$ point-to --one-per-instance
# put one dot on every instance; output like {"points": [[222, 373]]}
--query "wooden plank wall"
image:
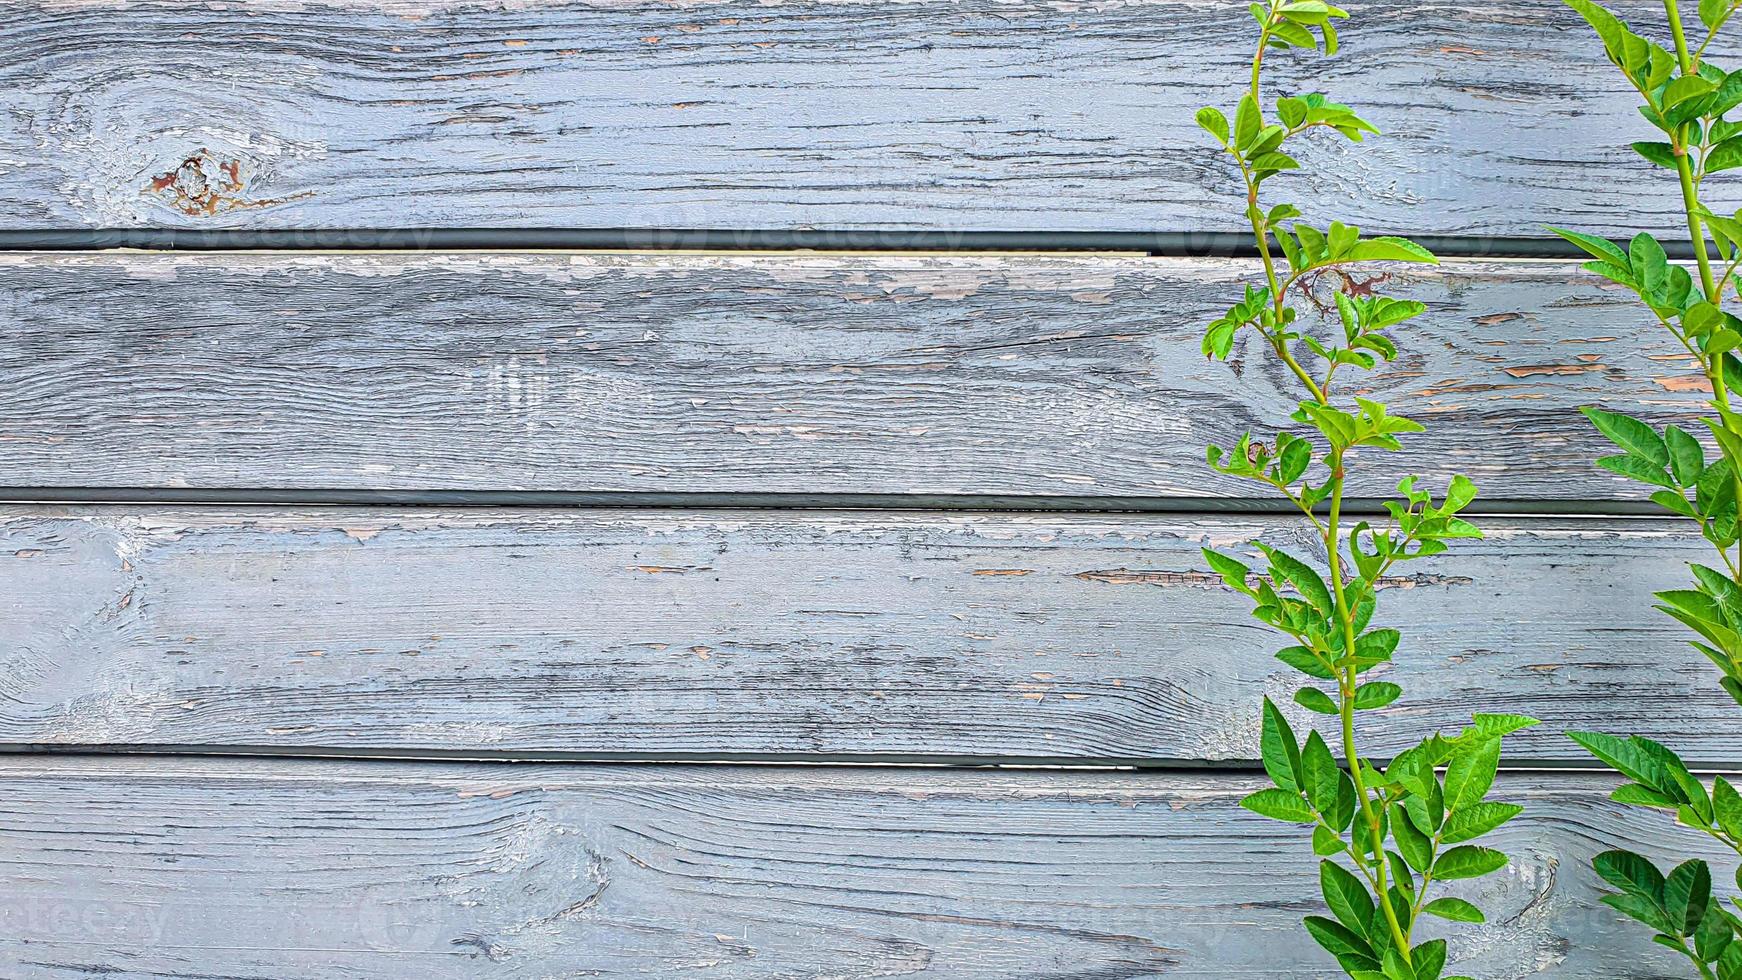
{"points": [[748, 615]]}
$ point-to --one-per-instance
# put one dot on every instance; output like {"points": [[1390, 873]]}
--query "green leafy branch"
{"points": [[1687, 99], [1386, 839]]}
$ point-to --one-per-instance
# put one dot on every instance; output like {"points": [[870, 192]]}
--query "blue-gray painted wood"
{"points": [[1077, 377], [944, 115], [230, 868], [781, 634]]}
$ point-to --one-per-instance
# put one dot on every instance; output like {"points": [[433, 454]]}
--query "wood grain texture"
{"points": [[720, 634], [906, 375], [937, 114], [285, 869]]}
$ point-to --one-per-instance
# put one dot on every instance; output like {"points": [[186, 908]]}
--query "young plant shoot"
{"points": [[1686, 98], [1388, 839]]}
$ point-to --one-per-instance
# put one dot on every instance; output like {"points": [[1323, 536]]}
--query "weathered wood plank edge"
{"points": [[1188, 244], [619, 499], [988, 874], [844, 760], [1010, 374], [790, 634]]}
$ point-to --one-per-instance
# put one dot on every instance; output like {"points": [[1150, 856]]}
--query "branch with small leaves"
{"points": [[1687, 99], [1386, 839]]}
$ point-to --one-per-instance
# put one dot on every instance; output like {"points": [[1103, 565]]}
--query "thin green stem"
{"points": [[1346, 684], [1261, 228], [1711, 33], [1329, 529], [1684, 168], [1709, 285]]}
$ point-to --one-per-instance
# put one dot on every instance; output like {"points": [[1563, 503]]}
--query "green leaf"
{"points": [[1468, 861], [1459, 494], [1307, 582], [1714, 933], [1686, 892], [1610, 29], [1635, 468], [1336, 938], [1279, 804], [1319, 773], [1488, 725], [1599, 248], [1292, 111], [1389, 249], [1620, 754], [1274, 162], [1376, 694], [1470, 774], [1650, 264], [1377, 646], [1630, 873], [1246, 122], [1233, 571], [1347, 896], [1730, 962], [1455, 909], [1417, 849], [1725, 156], [1727, 805], [1313, 699], [1429, 959], [1305, 661], [1633, 794], [1686, 458], [1632, 435], [1477, 819], [1214, 123], [1280, 751], [1641, 908], [1661, 154], [1685, 88], [1326, 842], [1290, 35], [1672, 500]]}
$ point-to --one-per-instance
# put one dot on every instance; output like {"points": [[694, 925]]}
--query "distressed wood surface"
{"points": [[938, 114], [720, 634], [160, 868], [851, 374]]}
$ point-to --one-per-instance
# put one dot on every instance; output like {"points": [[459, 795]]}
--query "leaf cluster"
{"points": [[1292, 597], [1688, 100], [1385, 837], [1688, 106], [1426, 824], [1679, 907]]}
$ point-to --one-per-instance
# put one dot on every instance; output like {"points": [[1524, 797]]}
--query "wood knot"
{"points": [[205, 184]]}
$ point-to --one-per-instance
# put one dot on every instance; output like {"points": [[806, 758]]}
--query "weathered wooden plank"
{"points": [[156, 868], [720, 634], [938, 114], [851, 374]]}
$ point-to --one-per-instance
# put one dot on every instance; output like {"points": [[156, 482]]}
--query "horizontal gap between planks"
{"points": [[1174, 244], [629, 499], [1232, 767]]}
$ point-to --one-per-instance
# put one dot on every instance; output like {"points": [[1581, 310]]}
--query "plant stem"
{"points": [[1346, 684], [1684, 168], [1261, 228], [1348, 679], [1713, 290]]}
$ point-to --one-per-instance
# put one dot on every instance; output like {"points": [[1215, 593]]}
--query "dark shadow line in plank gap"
{"points": [[1156, 243], [630, 499], [1231, 767]]}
